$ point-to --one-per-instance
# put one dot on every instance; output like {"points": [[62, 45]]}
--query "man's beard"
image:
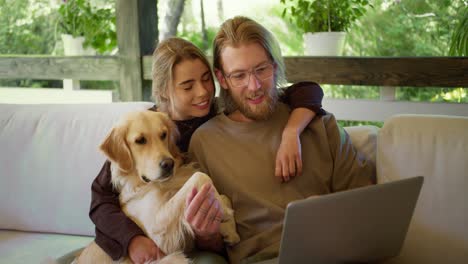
{"points": [[258, 112]]}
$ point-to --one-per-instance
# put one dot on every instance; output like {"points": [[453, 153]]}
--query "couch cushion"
{"points": [[435, 147], [364, 139], [24, 247], [48, 158]]}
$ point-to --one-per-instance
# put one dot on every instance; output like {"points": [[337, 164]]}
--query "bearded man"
{"points": [[237, 148]]}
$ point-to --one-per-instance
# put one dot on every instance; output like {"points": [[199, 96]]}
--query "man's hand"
{"points": [[204, 213], [142, 249], [289, 156]]}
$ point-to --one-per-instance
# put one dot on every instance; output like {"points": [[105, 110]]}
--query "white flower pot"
{"points": [[324, 43], [74, 46]]}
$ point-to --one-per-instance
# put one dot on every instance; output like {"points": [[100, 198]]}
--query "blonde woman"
{"points": [[183, 86]]}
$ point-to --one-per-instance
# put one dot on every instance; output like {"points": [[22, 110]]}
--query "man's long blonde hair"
{"points": [[166, 56], [243, 30]]}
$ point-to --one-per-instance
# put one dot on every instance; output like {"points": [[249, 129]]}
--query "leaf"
{"points": [[459, 39]]}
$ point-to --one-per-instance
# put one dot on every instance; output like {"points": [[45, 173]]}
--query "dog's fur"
{"points": [[141, 148]]}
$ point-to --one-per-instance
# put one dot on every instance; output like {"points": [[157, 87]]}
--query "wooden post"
{"points": [[387, 93], [136, 35]]}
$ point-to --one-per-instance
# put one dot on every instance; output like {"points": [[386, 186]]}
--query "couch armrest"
{"points": [[435, 147]]}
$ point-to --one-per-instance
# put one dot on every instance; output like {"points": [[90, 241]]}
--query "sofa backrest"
{"points": [[435, 147], [48, 159], [364, 139]]}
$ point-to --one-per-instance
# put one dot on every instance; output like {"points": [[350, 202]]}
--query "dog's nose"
{"points": [[167, 164]]}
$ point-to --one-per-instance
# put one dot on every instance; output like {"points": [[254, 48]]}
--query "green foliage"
{"points": [[96, 25], [197, 38], [348, 123], [190, 28], [324, 15], [459, 41], [285, 31], [351, 91], [431, 94], [404, 28], [25, 27]]}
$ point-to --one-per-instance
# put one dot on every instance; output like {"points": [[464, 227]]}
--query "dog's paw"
{"points": [[201, 178], [227, 206], [231, 237], [228, 225]]}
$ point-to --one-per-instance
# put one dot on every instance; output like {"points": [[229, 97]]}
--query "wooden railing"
{"points": [[386, 72], [136, 23]]}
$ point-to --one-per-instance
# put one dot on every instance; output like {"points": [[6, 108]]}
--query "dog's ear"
{"points": [[116, 149], [173, 136]]}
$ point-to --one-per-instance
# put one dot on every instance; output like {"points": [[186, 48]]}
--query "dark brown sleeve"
{"points": [[114, 229], [304, 94]]}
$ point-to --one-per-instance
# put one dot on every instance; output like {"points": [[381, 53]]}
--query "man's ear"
{"points": [[164, 95], [221, 79]]}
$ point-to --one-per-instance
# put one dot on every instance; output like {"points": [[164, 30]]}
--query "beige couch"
{"points": [[49, 157]]}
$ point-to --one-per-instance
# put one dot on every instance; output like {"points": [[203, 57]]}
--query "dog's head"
{"points": [[143, 144]]}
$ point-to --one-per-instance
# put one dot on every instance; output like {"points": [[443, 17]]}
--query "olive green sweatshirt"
{"points": [[240, 158]]}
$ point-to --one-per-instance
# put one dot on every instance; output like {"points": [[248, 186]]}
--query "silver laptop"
{"points": [[360, 225]]}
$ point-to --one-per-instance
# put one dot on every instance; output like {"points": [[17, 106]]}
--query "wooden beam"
{"points": [[58, 68], [383, 71], [380, 71], [135, 38], [428, 71]]}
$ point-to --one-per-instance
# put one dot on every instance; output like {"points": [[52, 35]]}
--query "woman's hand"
{"points": [[142, 250], [289, 156], [204, 212]]}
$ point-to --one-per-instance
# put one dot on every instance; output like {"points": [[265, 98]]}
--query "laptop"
{"points": [[355, 226]]}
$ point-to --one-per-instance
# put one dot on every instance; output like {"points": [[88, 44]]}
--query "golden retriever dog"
{"points": [[148, 171]]}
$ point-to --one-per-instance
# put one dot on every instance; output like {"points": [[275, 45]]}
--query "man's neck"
{"points": [[239, 117]]}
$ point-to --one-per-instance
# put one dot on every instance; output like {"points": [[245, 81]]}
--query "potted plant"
{"points": [[84, 26], [324, 22]]}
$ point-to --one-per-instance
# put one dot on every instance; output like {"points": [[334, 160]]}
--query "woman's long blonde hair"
{"points": [[166, 56]]}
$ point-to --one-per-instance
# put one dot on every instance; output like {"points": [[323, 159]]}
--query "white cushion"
{"points": [[48, 158], [364, 139], [435, 147], [24, 247]]}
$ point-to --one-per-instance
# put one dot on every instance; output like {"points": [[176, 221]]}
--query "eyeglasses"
{"points": [[242, 78]]}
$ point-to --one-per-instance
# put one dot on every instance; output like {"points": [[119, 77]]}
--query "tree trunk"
{"points": [[175, 8], [220, 8], [204, 33]]}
